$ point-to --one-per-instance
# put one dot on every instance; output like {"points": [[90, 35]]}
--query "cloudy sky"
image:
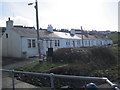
{"points": [[91, 14]]}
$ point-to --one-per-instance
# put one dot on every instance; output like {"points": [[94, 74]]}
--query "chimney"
{"points": [[72, 32], [50, 28], [9, 19], [9, 24]]}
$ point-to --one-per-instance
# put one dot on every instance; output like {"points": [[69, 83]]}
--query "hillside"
{"points": [[95, 61], [115, 37], [99, 61]]}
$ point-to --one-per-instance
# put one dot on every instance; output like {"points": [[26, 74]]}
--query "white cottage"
{"points": [[22, 42], [19, 42], [55, 40]]}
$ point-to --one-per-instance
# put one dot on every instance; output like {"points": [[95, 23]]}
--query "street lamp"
{"points": [[37, 24]]}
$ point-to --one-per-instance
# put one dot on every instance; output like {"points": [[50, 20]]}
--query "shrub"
{"points": [[98, 56]]}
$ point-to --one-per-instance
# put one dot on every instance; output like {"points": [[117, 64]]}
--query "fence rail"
{"points": [[53, 76]]}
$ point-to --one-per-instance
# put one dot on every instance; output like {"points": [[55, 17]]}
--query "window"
{"points": [[58, 42], [96, 42], [55, 42], [47, 43], [92, 42], [67, 42], [6, 35], [31, 43], [78, 42], [86, 42]]}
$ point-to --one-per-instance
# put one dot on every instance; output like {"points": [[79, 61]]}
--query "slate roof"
{"points": [[89, 37], [44, 34], [66, 35], [23, 32]]}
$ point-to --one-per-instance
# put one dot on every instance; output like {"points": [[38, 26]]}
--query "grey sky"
{"points": [[91, 14]]}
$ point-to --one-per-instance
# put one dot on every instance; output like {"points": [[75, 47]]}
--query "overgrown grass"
{"points": [[80, 58], [112, 73], [116, 47], [115, 37], [39, 67], [93, 56]]}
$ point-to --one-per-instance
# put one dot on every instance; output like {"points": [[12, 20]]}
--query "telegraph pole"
{"points": [[37, 24], [82, 37]]}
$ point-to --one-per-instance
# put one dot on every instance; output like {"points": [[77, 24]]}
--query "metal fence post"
{"points": [[114, 86], [52, 80], [13, 84], [52, 77]]}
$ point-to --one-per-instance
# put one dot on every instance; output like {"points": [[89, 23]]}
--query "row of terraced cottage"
{"points": [[22, 41]]}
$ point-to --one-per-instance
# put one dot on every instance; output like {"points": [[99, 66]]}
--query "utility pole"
{"points": [[82, 37], [37, 24]]}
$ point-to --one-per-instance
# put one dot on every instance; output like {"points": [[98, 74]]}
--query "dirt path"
{"points": [[11, 63]]}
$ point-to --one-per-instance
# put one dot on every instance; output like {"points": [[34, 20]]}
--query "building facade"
{"points": [[22, 42]]}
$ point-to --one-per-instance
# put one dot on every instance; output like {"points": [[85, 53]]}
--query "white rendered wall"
{"points": [[11, 45], [29, 51]]}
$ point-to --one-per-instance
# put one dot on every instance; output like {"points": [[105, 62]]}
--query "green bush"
{"points": [[98, 56]]}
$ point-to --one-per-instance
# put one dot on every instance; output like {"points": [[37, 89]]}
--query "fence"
{"points": [[54, 78]]}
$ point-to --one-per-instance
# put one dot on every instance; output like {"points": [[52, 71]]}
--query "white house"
{"points": [[16, 42], [22, 42]]}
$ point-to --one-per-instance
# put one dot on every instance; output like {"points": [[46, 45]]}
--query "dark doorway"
{"points": [[50, 52], [73, 43]]}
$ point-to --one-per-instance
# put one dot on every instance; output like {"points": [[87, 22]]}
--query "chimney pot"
{"points": [[9, 18]]}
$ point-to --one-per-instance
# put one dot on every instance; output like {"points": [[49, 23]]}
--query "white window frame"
{"points": [[31, 43]]}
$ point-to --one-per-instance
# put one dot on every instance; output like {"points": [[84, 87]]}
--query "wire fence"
{"points": [[58, 81]]}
